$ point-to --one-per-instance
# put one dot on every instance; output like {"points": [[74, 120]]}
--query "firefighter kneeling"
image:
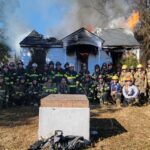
{"points": [[115, 91], [130, 92]]}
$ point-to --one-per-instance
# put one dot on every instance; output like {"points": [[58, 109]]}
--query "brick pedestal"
{"points": [[69, 113]]}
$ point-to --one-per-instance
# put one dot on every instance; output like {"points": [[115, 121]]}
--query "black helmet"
{"points": [[51, 63], [58, 63], [110, 64], [20, 62], [12, 64], [66, 64]]}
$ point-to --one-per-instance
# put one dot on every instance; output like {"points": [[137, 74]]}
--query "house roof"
{"points": [[118, 37], [82, 37], [35, 39], [107, 37]]}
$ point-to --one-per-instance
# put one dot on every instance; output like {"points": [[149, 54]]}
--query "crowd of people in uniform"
{"points": [[121, 86]]}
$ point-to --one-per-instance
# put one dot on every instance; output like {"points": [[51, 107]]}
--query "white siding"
{"points": [[56, 54], [25, 56], [104, 58], [100, 58], [72, 59], [92, 61]]}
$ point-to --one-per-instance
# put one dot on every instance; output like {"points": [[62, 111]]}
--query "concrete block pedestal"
{"points": [[69, 113]]}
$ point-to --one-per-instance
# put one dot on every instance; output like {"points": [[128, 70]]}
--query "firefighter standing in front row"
{"points": [[19, 95], [102, 90], [59, 73], [34, 92], [71, 77], [49, 87], [115, 90], [140, 82], [87, 87], [63, 87], [124, 73]]}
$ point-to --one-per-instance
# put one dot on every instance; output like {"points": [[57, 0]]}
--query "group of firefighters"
{"points": [[121, 86]]}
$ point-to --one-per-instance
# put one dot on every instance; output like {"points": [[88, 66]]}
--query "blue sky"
{"points": [[43, 14]]}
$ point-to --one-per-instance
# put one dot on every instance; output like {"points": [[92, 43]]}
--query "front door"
{"points": [[82, 57]]}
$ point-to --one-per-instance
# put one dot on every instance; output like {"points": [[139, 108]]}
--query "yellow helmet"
{"points": [[115, 77], [124, 67], [139, 66], [128, 78]]}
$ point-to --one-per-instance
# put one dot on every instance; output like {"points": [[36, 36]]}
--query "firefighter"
{"points": [[115, 90], [124, 74], [32, 73], [102, 90], [51, 70], [45, 73], [8, 82], [63, 87], [20, 70], [95, 77], [71, 77], [83, 72], [97, 72], [141, 82], [148, 79], [49, 87], [66, 66], [5, 72], [118, 70], [87, 86], [59, 73], [132, 70], [19, 95], [104, 68], [12, 72], [4, 93], [110, 73], [130, 92], [34, 92]]}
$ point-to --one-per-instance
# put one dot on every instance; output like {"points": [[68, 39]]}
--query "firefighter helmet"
{"points": [[148, 62], [139, 66], [115, 77], [128, 78], [124, 67], [34, 65], [58, 63]]}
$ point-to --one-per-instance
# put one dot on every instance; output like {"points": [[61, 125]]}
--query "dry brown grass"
{"points": [[120, 129]]}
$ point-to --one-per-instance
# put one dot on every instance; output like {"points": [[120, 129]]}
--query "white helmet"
{"points": [[34, 65], [71, 65]]}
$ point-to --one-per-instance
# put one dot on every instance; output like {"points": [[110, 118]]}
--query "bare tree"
{"points": [[142, 34]]}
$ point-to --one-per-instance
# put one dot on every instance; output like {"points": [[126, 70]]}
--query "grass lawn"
{"points": [[120, 129]]}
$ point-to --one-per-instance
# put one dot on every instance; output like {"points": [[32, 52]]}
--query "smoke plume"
{"points": [[76, 14]]}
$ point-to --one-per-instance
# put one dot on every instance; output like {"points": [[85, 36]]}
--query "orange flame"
{"points": [[133, 19]]}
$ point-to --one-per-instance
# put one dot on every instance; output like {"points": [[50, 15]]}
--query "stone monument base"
{"points": [[69, 113]]}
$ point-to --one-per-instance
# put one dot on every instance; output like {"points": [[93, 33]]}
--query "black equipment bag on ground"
{"points": [[60, 142]]}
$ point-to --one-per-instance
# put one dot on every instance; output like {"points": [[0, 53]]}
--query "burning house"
{"points": [[82, 46]]}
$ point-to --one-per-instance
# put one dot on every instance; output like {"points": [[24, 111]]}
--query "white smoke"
{"points": [[77, 14], [13, 26], [98, 13]]}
